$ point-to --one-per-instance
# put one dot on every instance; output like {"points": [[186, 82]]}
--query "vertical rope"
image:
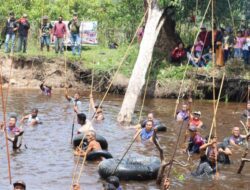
{"points": [[184, 74]]}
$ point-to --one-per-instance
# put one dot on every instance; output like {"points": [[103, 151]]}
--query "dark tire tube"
{"points": [[103, 142], [94, 155], [161, 127], [133, 168]]}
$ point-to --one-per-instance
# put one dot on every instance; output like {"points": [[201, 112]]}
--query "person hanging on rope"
{"points": [[75, 101], [46, 89], [195, 120], [13, 132], [98, 115], [86, 125], [146, 133], [184, 113], [32, 118], [195, 140], [93, 145]]}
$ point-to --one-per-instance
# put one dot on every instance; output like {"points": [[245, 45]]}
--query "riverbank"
{"points": [[164, 82]]}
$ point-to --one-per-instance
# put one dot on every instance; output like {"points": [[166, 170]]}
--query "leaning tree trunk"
{"points": [[153, 25]]}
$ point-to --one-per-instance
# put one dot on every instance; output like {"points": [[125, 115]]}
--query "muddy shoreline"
{"points": [[29, 73]]}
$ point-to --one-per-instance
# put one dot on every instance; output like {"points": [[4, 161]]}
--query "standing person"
{"points": [[11, 28], [246, 48], [45, 32], [59, 31], [74, 26], [23, 29], [239, 41], [205, 37], [227, 42], [219, 54]]}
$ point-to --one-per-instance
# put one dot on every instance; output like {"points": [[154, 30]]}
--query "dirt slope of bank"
{"points": [[30, 72]]}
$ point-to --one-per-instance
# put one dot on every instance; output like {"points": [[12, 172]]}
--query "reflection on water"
{"points": [[48, 162]]}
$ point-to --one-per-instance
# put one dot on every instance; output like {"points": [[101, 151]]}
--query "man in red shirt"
{"points": [[59, 31]]}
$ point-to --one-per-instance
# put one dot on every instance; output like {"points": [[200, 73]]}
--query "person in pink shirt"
{"points": [[239, 42], [59, 31], [198, 47]]}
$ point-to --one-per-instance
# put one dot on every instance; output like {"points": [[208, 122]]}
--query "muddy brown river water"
{"points": [[48, 161]]}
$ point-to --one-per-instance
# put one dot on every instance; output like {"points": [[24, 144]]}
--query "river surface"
{"points": [[48, 162]]}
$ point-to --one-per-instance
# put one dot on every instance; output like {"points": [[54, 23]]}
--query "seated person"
{"points": [[85, 124], [32, 118], [195, 140], [236, 139], [196, 61], [98, 115], [47, 90], [183, 114], [178, 54], [195, 119], [146, 133], [93, 145]]}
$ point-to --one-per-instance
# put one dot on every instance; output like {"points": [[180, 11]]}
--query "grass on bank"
{"points": [[104, 60]]}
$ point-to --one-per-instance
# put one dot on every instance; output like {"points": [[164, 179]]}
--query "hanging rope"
{"points": [[91, 87], [4, 105], [185, 71], [118, 69], [138, 132]]}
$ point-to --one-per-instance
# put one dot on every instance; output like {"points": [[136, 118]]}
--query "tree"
{"points": [[160, 12]]}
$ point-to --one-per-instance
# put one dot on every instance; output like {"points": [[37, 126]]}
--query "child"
{"points": [[198, 47], [46, 89]]}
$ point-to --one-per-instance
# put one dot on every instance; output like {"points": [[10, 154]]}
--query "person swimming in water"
{"points": [[32, 118], [98, 115], [195, 140], [236, 139], [46, 89], [183, 114]]}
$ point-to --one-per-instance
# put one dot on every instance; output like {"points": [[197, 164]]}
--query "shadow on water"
{"points": [[48, 162]]}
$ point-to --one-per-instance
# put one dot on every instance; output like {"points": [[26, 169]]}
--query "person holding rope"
{"points": [[150, 117], [97, 109], [184, 113], [146, 133], [13, 132], [46, 89], [195, 120], [195, 140], [75, 101], [93, 145]]}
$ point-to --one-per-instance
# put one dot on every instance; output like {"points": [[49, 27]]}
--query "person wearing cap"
{"points": [[74, 26], [59, 31], [195, 119], [19, 185], [23, 29], [10, 31], [195, 140], [45, 33]]}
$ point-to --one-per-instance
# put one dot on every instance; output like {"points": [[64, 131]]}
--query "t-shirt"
{"points": [[86, 127], [246, 46], [30, 119], [23, 27], [45, 28], [146, 135], [10, 25], [77, 103], [74, 26], [59, 30], [239, 42], [182, 115]]}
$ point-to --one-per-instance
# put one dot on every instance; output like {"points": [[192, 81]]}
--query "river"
{"points": [[48, 162]]}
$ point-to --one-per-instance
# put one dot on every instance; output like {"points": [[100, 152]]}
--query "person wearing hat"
{"points": [[23, 29], [195, 119], [45, 32], [195, 140], [19, 185], [10, 32], [74, 26]]}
